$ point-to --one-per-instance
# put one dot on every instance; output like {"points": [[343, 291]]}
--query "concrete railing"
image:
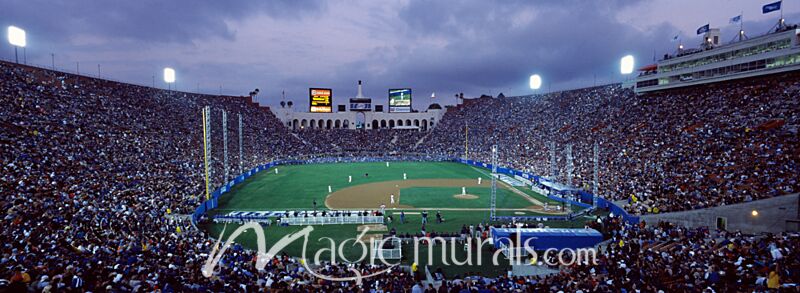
{"points": [[773, 215]]}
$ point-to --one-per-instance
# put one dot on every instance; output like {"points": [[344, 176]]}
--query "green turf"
{"points": [[422, 197], [295, 187]]}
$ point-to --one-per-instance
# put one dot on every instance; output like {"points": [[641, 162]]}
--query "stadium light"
{"points": [[169, 75], [626, 64], [16, 36], [535, 82]]}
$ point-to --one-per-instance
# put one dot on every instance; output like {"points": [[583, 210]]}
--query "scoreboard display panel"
{"points": [[400, 100], [320, 100]]}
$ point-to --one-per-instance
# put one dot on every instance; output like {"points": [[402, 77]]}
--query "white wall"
{"points": [[384, 120]]}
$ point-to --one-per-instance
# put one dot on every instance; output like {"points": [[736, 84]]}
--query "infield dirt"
{"points": [[373, 195]]}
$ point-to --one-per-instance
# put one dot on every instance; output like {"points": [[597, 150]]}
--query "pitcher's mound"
{"points": [[465, 196]]}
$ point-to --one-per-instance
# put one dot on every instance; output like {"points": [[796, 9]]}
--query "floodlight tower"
{"points": [[225, 146], [241, 161], [595, 158], [169, 77], [16, 37], [553, 161], [493, 203], [570, 165], [626, 65], [535, 82]]}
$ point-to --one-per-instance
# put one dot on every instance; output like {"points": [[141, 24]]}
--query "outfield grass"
{"points": [[297, 186]]}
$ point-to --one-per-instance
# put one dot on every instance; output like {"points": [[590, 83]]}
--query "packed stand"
{"points": [[677, 150], [662, 258], [97, 175], [379, 141]]}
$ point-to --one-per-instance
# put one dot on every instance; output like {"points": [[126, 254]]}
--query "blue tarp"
{"points": [[543, 239]]}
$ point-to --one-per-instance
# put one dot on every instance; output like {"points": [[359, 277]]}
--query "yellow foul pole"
{"points": [[205, 154], [466, 141]]}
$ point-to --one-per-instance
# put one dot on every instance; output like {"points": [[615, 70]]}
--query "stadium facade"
{"points": [[359, 115], [714, 62]]}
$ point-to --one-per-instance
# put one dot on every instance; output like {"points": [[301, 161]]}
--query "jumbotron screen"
{"points": [[320, 100], [400, 100]]}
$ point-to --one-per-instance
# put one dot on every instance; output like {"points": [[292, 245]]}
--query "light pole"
{"points": [[626, 65], [16, 36], [535, 82], [169, 77]]}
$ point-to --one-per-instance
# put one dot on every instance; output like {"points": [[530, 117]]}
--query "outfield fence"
{"points": [[332, 220]]}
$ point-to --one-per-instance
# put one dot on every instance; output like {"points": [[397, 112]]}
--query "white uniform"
{"points": [[391, 198]]}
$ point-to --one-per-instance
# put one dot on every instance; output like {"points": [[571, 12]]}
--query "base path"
{"points": [[372, 195]]}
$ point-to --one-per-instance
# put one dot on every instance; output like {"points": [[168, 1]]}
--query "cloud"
{"points": [[475, 47], [150, 21], [491, 47]]}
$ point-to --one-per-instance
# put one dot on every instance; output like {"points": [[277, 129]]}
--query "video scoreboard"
{"points": [[320, 100], [400, 100]]}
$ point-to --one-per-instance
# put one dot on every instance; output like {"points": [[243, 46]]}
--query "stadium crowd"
{"points": [[377, 141], [663, 258], [671, 151], [97, 177]]}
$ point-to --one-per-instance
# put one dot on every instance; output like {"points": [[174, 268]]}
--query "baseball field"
{"points": [[453, 189]]}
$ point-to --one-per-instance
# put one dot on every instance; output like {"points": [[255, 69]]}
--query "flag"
{"points": [[771, 7], [703, 29], [676, 37], [736, 19]]}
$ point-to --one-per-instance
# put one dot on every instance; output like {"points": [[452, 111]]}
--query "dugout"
{"points": [[543, 239]]}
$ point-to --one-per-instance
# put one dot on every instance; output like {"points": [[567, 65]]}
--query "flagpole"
{"points": [[741, 25], [781, 21]]}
